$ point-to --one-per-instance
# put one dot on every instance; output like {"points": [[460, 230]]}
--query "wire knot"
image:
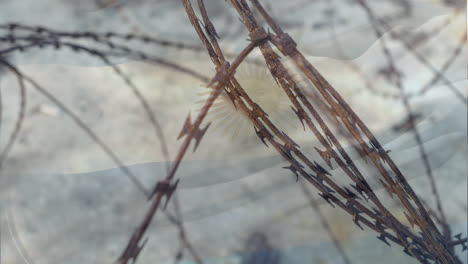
{"points": [[258, 35], [223, 74]]}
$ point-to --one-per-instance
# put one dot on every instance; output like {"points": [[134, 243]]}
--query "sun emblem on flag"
{"points": [[258, 83]]}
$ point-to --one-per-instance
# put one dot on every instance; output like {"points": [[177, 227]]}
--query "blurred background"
{"points": [[65, 201]]}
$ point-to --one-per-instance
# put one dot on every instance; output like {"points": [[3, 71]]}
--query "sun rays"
{"points": [[229, 120]]}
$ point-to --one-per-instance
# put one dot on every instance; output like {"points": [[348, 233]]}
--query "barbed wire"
{"points": [[359, 200]]}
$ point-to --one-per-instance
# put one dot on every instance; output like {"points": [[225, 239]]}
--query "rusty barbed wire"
{"points": [[411, 119], [358, 199], [419, 247]]}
